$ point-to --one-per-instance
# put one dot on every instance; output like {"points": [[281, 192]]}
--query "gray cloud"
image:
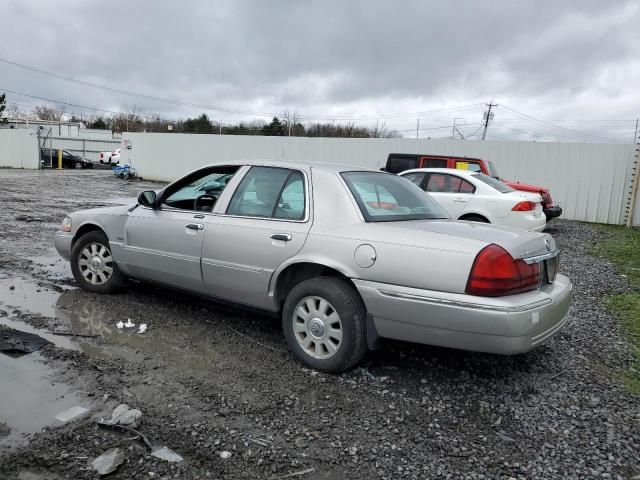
{"points": [[557, 60]]}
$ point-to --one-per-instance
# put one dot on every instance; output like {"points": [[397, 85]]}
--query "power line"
{"points": [[574, 132], [220, 109]]}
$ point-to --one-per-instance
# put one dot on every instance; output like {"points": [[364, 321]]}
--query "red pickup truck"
{"points": [[399, 162]]}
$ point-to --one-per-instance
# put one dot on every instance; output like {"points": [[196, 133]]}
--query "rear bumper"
{"points": [[552, 212], [62, 241], [503, 325]]}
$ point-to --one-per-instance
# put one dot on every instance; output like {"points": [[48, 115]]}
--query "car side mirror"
{"points": [[147, 199]]}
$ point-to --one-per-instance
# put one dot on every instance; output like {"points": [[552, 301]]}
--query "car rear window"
{"points": [[494, 183], [386, 198]]}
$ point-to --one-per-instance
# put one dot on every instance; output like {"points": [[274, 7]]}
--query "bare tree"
{"points": [[46, 112], [14, 111]]}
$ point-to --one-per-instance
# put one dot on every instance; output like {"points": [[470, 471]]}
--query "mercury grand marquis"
{"points": [[345, 255]]}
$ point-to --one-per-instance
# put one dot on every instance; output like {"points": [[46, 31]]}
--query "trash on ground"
{"points": [[123, 415], [225, 454], [142, 328], [165, 453], [129, 324], [108, 462], [71, 414], [124, 171], [120, 325], [15, 341]]}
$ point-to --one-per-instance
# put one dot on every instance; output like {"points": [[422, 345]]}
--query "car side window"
{"points": [[444, 183], [200, 190], [291, 202], [434, 163], [416, 177], [271, 193]]}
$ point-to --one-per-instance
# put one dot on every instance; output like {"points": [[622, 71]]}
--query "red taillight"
{"points": [[525, 206], [495, 273]]}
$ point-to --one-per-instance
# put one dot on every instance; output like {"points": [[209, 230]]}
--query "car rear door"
{"points": [[450, 191], [265, 221]]}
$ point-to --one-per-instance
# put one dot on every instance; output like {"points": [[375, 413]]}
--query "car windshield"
{"points": [[382, 197], [493, 183], [493, 171]]}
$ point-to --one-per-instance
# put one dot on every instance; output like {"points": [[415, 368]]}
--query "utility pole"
{"points": [[635, 135], [220, 126], [488, 116], [454, 129], [417, 127]]}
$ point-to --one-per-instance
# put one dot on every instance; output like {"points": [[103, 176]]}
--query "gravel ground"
{"points": [[210, 378]]}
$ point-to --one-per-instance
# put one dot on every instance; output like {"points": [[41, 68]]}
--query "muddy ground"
{"points": [[211, 379]]}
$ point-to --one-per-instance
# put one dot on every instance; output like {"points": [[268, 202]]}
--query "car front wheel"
{"points": [[93, 266], [78, 164], [324, 324]]}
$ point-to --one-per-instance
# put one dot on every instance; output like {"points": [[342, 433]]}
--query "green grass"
{"points": [[622, 247]]}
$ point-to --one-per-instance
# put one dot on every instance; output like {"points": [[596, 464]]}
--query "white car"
{"points": [[115, 156], [474, 196], [110, 157]]}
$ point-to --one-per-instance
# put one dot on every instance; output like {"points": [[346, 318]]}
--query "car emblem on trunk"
{"points": [[547, 243]]}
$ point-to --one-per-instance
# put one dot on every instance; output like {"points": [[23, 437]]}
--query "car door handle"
{"points": [[459, 199], [285, 237], [195, 226]]}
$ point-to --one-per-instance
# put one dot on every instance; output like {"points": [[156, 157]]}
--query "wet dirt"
{"points": [[211, 379]]}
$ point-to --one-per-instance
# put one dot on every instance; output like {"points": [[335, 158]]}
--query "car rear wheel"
{"points": [[324, 324], [93, 266]]}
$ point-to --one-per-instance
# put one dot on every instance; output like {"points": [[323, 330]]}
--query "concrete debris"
{"points": [[120, 325], [225, 454], [129, 324], [142, 328], [71, 414], [165, 453], [108, 462]]}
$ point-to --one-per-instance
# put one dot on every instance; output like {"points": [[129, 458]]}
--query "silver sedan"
{"points": [[345, 255]]}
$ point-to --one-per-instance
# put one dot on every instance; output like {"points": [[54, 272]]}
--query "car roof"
{"points": [[451, 171], [331, 167]]}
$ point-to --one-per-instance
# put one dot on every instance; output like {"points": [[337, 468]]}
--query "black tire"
{"points": [[78, 165], [347, 304], [117, 281], [475, 218]]}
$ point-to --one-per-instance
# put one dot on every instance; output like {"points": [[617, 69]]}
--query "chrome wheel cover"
{"points": [[317, 327], [95, 263]]}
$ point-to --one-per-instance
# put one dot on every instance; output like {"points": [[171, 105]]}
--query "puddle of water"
{"points": [[87, 317], [58, 340], [55, 266], [30, 399], [26, 295]]}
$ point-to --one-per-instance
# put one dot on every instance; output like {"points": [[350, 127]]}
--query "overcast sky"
{"points": [[574, 64]]}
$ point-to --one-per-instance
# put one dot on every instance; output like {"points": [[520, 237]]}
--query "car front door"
{"points": [[265, 222], [164, 243], [450, 191]]}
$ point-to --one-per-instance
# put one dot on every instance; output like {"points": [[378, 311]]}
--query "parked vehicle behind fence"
{"points": [[344, 255], [474, 196], [400, 162], [110, 157], [49, 158]]}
